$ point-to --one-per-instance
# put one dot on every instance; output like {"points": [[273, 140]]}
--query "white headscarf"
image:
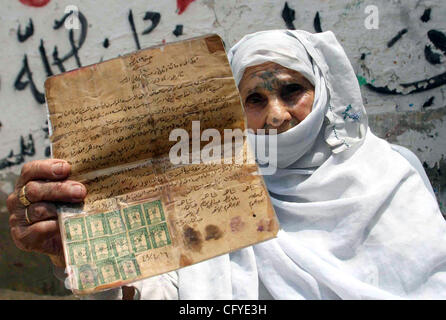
{"points": [[337, 93], [357, 221]]}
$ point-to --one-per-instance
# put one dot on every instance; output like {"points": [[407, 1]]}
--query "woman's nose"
{"points": [[277, 113]]}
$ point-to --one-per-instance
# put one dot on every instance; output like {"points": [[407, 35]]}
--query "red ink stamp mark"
{"points": [[265, 225], [236, 224], [182, 5], [35, 3]]}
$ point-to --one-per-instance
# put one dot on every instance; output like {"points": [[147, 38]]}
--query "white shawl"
{"points": [[357, 221]]}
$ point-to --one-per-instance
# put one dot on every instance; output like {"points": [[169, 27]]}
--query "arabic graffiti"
{"points": [[26, 149], [288, 15], [19, 84], [25, 79], [436, 37], [29, 31], [55, 63], [438, 40]]}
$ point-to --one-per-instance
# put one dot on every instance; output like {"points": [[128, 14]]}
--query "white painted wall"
{"points": [[421, 129]]}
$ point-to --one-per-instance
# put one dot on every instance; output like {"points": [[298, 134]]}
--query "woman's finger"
{"points": [[66, 191], [35, 212], [40, 211], [48, 169], [43, 236]]}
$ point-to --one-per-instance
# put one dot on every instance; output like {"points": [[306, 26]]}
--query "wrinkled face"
{"points": [[275, 97]]}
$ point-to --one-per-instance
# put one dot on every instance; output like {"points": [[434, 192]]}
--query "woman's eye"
{"points": [[254, 98], [290, 89]]}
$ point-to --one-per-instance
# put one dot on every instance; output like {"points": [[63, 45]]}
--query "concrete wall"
{"points": [[397, 49]]}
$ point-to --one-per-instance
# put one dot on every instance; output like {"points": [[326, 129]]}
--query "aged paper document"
{"points": [[144, 215]]}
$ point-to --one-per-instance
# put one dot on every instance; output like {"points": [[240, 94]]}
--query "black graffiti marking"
{"points": [[74, 48], [57, 60], [29, 31], [59, 23], [178, 30], [420, 86], [431, 57], [20, 85], [132, 25], [317, 23], [46, 130], [426, 15], [47, 151], [47, 133], [11, 160], [396, 38], [288, 15], [155, 17], [429, 102], [46, 63], [106, 43], [27, 148], [438, 39]]}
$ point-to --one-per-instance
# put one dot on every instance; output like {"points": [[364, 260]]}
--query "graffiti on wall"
{"points": [[55, 63], [437, 42]]}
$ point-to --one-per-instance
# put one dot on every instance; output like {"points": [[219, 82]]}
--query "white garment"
{"points": [[357, 221]]}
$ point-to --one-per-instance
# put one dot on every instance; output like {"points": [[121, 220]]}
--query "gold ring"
{"points": [[22, 197], [26, 216]]}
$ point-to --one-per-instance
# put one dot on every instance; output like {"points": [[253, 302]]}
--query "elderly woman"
{"points": [[358, 218]]}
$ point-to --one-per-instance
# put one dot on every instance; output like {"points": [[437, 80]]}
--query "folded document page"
{"points": [[145, 214]]}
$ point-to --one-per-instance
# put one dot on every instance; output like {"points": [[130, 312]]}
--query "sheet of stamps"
{"points": [[102, 247]]}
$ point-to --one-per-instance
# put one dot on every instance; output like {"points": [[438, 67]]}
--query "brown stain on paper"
{"points": [[214, 43], [185, 260], [192, 238], [213, 232]]}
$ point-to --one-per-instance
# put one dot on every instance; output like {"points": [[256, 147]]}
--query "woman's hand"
{"points": [[44, 182]]}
